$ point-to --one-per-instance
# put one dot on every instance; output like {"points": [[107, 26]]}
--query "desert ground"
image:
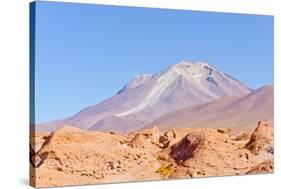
{"points": [[73, 156]]}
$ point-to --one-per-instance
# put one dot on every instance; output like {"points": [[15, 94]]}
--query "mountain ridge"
{"points": [[148, 97], [229, 111]]}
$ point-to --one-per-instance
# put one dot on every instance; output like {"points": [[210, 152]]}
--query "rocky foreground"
{"points": [[71, 156]]}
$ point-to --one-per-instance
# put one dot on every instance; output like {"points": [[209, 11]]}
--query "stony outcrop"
{"points": [[261, 139], [206, 152], [71, 156]]}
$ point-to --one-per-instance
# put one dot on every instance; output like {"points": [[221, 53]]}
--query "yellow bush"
{"points": [[165, 170]]}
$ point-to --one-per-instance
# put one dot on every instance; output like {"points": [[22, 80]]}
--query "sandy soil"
{"points": [[71, 156]]}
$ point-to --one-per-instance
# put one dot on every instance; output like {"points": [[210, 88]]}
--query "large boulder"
{"points": [[261, 139]]}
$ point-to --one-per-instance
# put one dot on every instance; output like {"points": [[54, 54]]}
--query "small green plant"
{"points": [[165, 170]]}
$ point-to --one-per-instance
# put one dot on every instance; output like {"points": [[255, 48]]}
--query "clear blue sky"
{"points": [[86, 53]]}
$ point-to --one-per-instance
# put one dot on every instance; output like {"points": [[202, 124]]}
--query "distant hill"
{"points": [[231, 112]]}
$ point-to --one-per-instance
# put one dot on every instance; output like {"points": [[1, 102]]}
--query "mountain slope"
{"points": [[231, 112], [147, 97], [113, 123]]}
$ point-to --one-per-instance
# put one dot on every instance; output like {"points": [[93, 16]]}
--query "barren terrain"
{"points": [[72, 156]]}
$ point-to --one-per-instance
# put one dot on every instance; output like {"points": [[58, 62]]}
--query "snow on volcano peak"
{"points": [[146, 97], [199, 82]]}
